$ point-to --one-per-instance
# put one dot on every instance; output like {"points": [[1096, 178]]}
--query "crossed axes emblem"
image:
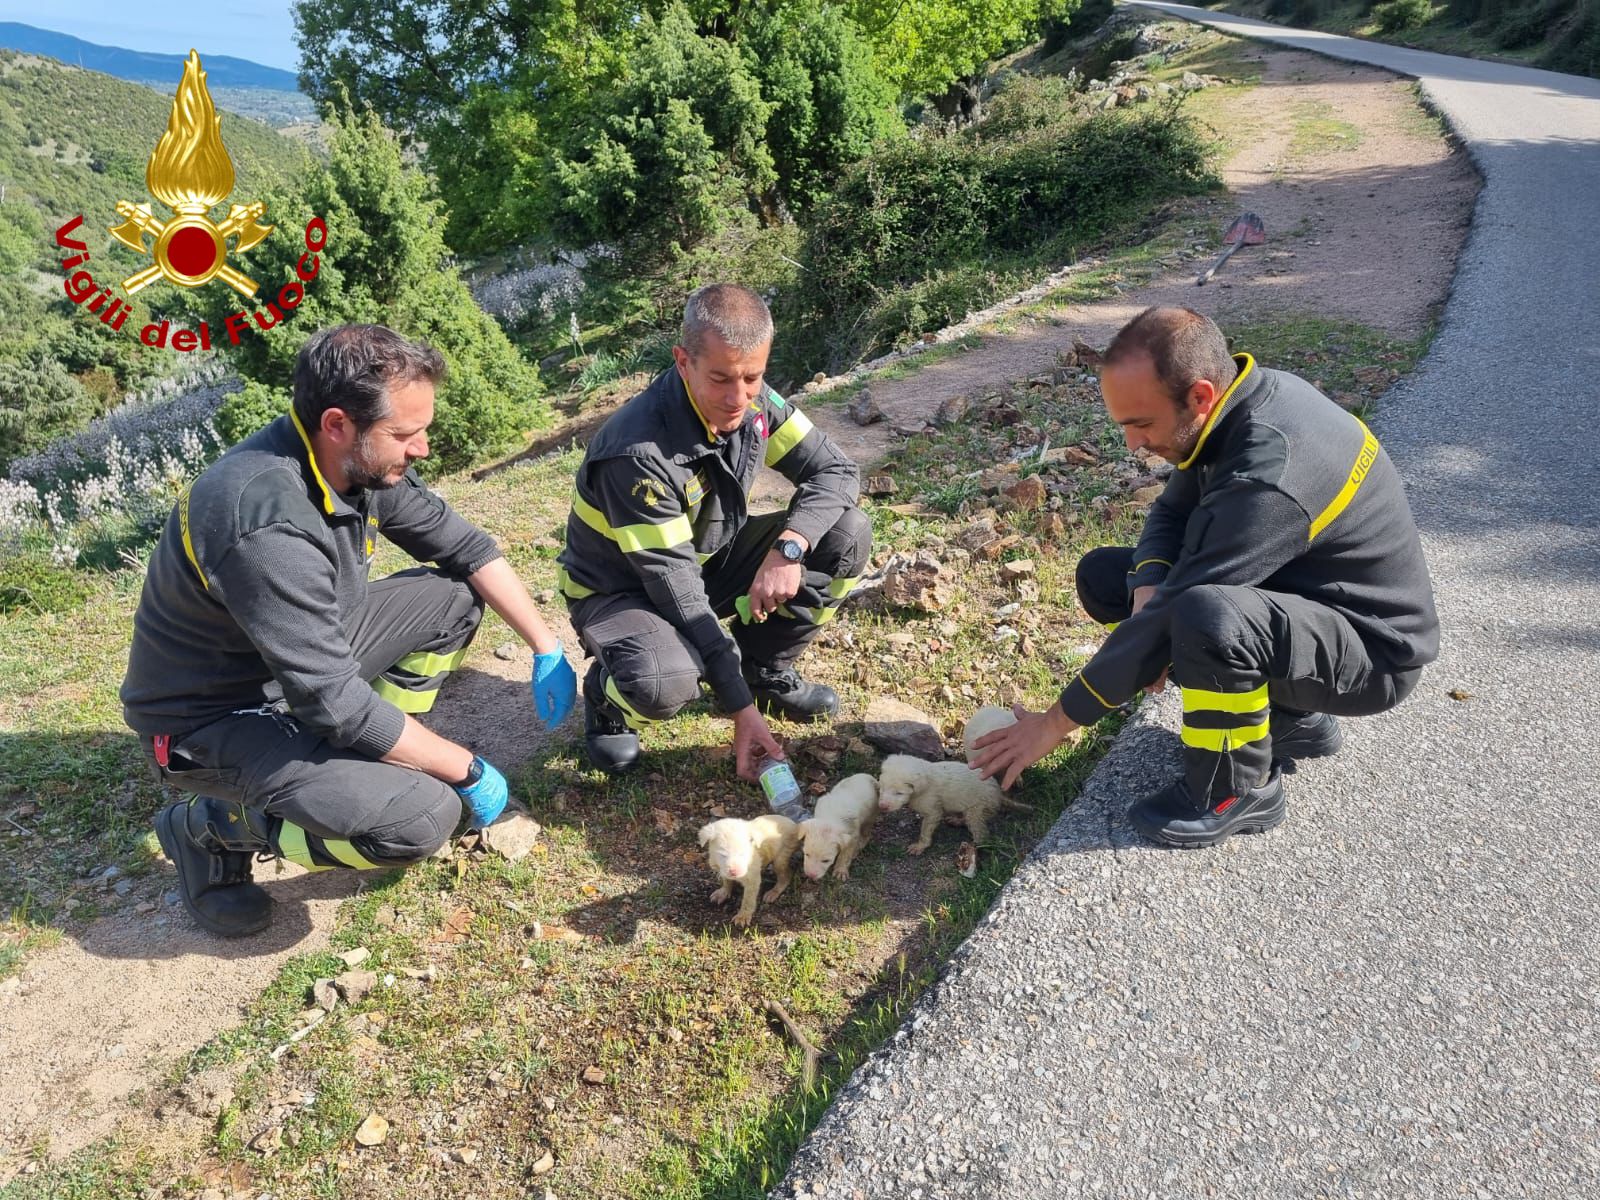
{"points": [[190, 249]]}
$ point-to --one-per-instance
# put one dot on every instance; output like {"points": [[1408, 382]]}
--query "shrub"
{"points": [[1397, 16], [247, 410], [32, 579]]}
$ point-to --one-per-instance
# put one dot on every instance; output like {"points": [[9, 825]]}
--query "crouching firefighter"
{"points": [[270, 680], [1279, 581], [661, 548]]}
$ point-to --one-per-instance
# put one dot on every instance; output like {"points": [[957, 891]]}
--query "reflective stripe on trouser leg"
{"points": [[1226, 746], [317, 853], [634, 719], [412, 684]]}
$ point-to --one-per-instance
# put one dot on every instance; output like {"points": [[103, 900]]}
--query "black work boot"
{"points": [[1304, 735], [1172, 818], [784, 693], [613, 747], [211, 844]]}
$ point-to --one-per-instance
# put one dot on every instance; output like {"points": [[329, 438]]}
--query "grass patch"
{"points": [[1353, 363], [1317, 131]]}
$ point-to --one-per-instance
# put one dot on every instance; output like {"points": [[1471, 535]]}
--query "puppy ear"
{"points": [[705, 832], [802, 826]]}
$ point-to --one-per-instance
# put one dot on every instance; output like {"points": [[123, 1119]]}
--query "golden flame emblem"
{"points": [[190, 172]]}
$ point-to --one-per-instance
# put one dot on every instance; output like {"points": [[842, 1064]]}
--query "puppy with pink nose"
{"points": [[737, 851]]}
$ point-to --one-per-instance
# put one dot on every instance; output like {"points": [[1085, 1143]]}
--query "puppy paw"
{"points": [[720, 896], [918, 848], [743, 919], [841, 873], [774, 893]]}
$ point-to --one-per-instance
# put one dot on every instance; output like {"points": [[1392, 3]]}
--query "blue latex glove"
{"points": [[486, 799], [555, 687]]}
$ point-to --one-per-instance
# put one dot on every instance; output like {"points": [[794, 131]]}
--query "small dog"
{"points": [[936, 790], [986, 720], [737, 850], [843, 823]]}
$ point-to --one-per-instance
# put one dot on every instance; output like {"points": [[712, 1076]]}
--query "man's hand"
{"points": [[485, 799], [554, 687], [751, 740], [776, 581], [1012, 750]]}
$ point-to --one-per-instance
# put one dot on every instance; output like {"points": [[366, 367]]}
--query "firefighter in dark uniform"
{"points": [[1279, 580], [661, 548], [277, 686]]}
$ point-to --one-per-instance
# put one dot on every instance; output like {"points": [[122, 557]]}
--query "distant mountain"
{"points": [[142, 67]]}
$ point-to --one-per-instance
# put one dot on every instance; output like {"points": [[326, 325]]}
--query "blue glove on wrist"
{"points": [[555, 687], [485, 799]]}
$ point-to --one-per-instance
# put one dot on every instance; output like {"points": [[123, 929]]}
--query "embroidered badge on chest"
{"points": [[761, 425], [694, 491]]}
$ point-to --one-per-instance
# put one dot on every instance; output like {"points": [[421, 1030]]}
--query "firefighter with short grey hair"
{"points": [[661, 547], [273, 682]]}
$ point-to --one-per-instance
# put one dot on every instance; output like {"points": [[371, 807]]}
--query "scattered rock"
{"points": [[268, 1142], [994, 549], [544, 595], [354, 986], [326, 994], [1027, 494], [897, 728], [1459, 694], [1147, 496], [1052, 527], [976, 535], [593, 1075], [467, 1155], [385, 917], [513, 836], [507, 652], [919, 583], [122, 887], [951, 411], [354, 958], [911, 431], [545, 1164], [374, 1130], [1085, 355], [1349, 401], [879, 485], [864, 409], [1075, 455], [1016, 569]]}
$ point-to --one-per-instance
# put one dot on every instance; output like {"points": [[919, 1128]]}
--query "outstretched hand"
{"points": [[1010, 751]]}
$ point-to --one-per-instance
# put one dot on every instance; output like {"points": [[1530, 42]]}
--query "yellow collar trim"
{"points": [[311, 455], [1246, 365], [711, 434]]}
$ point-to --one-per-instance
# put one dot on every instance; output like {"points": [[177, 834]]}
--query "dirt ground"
{"points": [[1366, 233]]}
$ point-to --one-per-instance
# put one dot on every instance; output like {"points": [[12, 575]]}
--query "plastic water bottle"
{"points": [[782, 789]]}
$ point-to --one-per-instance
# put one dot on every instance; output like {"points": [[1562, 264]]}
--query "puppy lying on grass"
{"points": [[737, 851], [843, 823], [936, 790]]}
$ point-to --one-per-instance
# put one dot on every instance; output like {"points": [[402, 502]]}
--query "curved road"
{"points": [[1397, 993]]}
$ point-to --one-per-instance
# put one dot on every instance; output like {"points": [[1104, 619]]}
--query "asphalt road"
{"points": [[1397, 993]]}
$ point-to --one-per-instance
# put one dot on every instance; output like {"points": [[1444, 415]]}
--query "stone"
{"points": [[879, 485], [373, 1131], [268, 1142], [918, 583], [994, 549], [593, 1075], [1085, 355], [864, 410], [506, 652], [513, 836], [354, 986], [897, 728], [1052, 527], [951, 411], [545, 1164], [1147, 496], [1016, 569], [354, 958], [998, 478], [326, 994], [467, 1155], [978, 534], [1027, 494]]}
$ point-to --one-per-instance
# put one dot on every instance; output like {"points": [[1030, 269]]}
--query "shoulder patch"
{"points": [[777, 400], [648, 490], [695, 490]]}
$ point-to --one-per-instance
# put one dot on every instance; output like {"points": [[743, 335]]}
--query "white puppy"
{"points": [[935, 790], [843, 823], [986, 720], [737, 850]]}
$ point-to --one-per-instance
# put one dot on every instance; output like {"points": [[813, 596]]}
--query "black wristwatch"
{"points": [[474, 773], [791, 550]]}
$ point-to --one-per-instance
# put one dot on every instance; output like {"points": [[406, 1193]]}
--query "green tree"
{"points": [[39, 402], [385, 261], [924, 46]]}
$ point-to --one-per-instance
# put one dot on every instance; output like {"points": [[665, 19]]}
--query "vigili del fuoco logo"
{"points": [[190, 173]]}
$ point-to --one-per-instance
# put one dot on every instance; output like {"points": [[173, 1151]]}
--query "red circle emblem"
{"points": [[191, 251]]}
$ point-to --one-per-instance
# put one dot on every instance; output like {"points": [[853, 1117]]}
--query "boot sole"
{"points": [[170, 840]]}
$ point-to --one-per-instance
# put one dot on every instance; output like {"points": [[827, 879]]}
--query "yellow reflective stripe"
{"points": [[311, 457], [633, 538], [633, 716], [823, 615], [1084, 679], [188, 543], [840, 588], [1200, 700], [1220, 741], [570, 588], [1138, 566], [404, 699], [1245, 368], [428, 663], [292, 846], [787, 436], [1363, 464], [348, 854]]}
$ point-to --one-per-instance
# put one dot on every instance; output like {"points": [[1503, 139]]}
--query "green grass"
{"points": [[1353, 363], [1317, 131]]}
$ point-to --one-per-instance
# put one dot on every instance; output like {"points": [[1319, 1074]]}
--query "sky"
{"points": [[260, 30]]}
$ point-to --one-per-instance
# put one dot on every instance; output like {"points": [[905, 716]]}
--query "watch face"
{"points": [[790, 550]]}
